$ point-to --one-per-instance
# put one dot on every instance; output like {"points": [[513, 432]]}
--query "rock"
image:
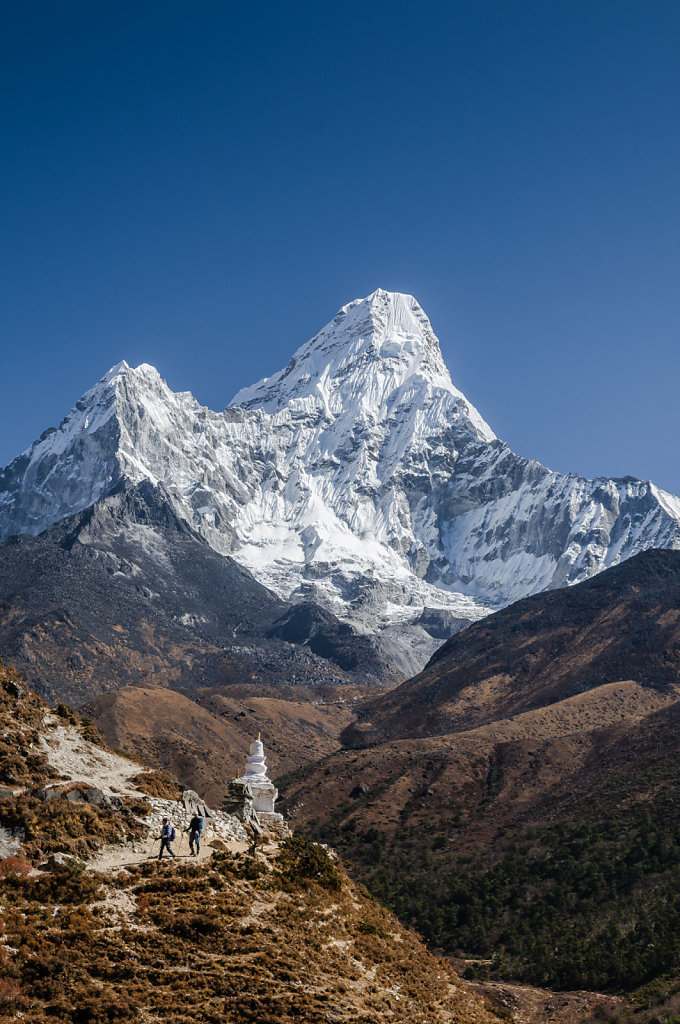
{"points": [[239, 801], [96, 797], [193, 804], [10, 841], [15, 688], [74, 796], [6, 794], [63, 862], [47, 794]]}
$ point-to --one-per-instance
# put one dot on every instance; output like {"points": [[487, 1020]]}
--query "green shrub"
{"points": [[302, 862]]}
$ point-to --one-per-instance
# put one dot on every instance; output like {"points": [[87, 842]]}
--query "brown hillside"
{"points": [[536, 758], [101, 933], [622, 624], [202, 736], [545, 844]]}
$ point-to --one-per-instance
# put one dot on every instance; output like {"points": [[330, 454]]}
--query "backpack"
{"points": [[171, 834]]}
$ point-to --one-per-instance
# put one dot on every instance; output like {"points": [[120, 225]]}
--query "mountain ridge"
{"points": [[620, 624], [126, 592], [358, 478]]}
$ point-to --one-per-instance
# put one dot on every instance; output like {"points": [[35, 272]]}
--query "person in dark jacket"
{"points": [[167, 837], [194, 830]]}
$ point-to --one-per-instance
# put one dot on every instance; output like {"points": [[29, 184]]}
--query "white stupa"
{"points": [[256, 765], [262, 790]]}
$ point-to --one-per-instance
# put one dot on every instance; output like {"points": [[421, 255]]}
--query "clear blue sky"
{"points": [[201, 186]]}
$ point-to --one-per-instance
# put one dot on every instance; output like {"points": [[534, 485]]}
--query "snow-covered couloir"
{"points": [[358, 476]]}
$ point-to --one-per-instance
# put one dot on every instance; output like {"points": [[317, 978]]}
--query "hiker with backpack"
{"points": [[167, 837], [195, 829]]}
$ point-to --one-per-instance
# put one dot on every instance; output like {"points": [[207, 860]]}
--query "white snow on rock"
{"points": [[358, 476]]}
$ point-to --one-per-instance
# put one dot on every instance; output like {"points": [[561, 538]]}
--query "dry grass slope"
{"points": [[283, 937]]}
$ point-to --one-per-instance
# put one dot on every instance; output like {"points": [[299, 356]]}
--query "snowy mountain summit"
{"points": [[377, 357], [358, 476]]}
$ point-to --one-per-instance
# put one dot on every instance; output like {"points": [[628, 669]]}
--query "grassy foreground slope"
{"points": [[285, 936]]}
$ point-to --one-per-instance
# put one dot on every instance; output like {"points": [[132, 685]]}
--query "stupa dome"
{"points": [[256, 767]]}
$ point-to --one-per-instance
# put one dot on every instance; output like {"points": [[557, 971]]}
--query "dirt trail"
{"points": [[109, 858], [78, 760]]}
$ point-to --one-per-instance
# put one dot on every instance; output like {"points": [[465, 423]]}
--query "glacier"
{"points": [[358, 477]]}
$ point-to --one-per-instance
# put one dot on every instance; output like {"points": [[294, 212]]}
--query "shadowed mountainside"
{"points": [[621, 624], [523, 808], [545, 844], [127, 593]]}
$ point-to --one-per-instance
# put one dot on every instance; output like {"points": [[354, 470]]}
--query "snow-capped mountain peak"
{"points": [[119, 370], [376, 356], [358, 477]]}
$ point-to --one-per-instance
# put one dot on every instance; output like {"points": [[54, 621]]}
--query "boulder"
{"points": [[47, 794], [14, 688], [96, 797], [74, 796], [10, 842], [63, 862], [194, 804], [239, 801]]}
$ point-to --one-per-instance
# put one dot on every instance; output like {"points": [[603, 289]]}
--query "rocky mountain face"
{"points": [[126, 592], [358, 478]]}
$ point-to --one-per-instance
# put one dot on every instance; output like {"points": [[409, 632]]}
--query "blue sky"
{"points": [[201, 186]]}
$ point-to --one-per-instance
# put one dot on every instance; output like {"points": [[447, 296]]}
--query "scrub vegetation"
{"points": [[276, 937]]}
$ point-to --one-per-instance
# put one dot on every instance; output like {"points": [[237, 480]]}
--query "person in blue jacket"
{"points": [[167, 837]]}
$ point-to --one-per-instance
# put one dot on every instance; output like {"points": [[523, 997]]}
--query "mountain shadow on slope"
{"points": [[552, 860], [306, 623], [126, 592], [622, 624]]}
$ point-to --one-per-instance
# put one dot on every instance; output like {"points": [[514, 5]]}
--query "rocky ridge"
{"points": [[126, 592]]}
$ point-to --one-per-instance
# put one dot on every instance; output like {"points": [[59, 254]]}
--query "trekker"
{"points": [[167, 837], [194, 830]]}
